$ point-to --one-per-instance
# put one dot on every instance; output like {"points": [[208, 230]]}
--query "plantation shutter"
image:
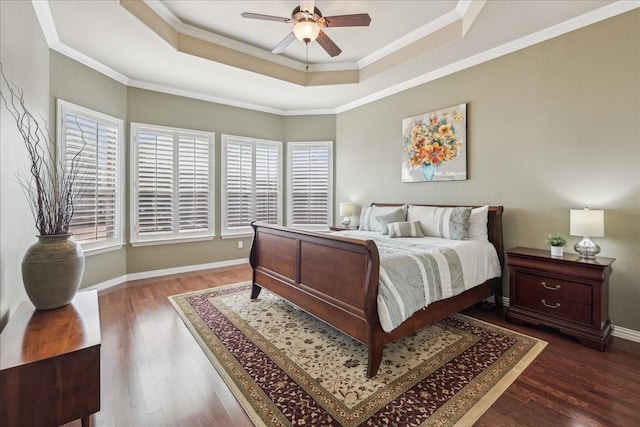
{"points": [[239, 184], [92, 146], [266, 176], [172, 185], [193, 187], [310, 184], [155, 183], [252, 183]]}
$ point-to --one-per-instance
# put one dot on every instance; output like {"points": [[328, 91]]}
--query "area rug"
{"points": [[287, 368]]}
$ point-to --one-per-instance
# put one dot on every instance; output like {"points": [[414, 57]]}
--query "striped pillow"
{"points": [[405, 229], [449, 223]]}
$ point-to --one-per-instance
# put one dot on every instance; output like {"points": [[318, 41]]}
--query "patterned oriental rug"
{"points": [[287, 368]]}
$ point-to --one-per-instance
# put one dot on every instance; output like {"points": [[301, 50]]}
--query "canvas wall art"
{"points": [[435, 146]]}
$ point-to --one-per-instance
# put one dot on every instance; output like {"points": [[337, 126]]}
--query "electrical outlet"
{"points": [[240, 244]]}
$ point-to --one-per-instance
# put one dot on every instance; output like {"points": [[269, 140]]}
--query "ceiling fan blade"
{"points": [[284, 43], [356, 20], [264, 17], [328, 44], [307, 5]]}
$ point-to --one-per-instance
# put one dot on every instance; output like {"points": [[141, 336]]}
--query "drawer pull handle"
{"points": [[556, 305], [555, 288]]}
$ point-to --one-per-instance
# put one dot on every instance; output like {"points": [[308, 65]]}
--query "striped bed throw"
{"points": [[413, 276]]}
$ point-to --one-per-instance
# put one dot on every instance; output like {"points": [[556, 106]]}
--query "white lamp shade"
{"points": [[586, 222], [306, 31], [346, 208]]}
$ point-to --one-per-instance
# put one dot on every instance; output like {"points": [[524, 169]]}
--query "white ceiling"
{"points": [[406, 44]]}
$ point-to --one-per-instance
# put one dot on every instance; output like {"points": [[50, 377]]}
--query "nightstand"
{"points": [[568, 293]]}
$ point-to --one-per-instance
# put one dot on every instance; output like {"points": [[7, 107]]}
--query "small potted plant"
{"points": [[556, 242]]}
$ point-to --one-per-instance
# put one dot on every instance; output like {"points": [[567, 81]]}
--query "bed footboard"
{"points": [[331, 277]]}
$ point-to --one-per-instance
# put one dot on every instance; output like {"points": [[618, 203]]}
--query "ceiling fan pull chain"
{"points": [[306, 61]]}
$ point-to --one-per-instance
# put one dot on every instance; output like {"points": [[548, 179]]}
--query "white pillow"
{"points": [[449, 223], [398, 215], [368, 217], [478, 223]]}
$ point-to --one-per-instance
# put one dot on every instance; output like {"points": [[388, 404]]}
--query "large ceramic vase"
{"points": [[51, 271]]}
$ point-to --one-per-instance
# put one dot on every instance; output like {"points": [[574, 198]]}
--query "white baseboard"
{"points": [[618, 331], [626, 334], [163, 272]]}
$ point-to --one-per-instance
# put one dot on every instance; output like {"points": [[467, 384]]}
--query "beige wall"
{"points": [[76, 83], [552, 127], [168, 110], [25, 60]]}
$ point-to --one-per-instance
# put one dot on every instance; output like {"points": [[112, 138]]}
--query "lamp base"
{"points": [[586, 248], [346, 222]]}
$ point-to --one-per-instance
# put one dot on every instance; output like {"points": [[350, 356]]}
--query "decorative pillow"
{"points": [[405, 229], [478, 223], [368, 221], [396, 216], [450, 223]]}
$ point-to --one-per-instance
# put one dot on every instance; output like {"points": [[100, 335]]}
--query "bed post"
{"points": [[494, 230], [376, 346], [255, 289]]}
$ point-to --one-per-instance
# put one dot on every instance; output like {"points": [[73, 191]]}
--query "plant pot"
{"points": [[556, 250], [51, 271]]}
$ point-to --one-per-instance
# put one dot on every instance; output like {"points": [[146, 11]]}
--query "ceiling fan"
{"points": [[308, 23]]}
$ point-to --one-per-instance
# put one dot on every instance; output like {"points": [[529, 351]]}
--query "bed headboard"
{"points": [[494, 224]]}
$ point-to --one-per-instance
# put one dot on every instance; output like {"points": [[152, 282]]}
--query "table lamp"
{"points": [[346, 210], [586, 223]]}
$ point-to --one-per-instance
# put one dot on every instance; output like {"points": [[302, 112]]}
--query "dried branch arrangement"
{"points": [[50, 185]]}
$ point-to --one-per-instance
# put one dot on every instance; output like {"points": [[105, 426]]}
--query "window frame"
{"points": [[330, 196], [62, 108], [176, 236], [239, 232]]}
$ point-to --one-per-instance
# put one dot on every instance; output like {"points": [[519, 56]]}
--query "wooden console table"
{"points": [[50, 364]]}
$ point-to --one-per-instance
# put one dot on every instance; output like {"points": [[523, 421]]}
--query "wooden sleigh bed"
{"points": [[335, 278]]}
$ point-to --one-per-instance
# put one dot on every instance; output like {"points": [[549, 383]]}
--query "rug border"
{"points": [[235, 390], [471, 416], [476, 411]]}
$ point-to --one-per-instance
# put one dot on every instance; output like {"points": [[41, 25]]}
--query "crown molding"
{"points": [[43, 13], [170, 90], [581, 21], [47, 24]]}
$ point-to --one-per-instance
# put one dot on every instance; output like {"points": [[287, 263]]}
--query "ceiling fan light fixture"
{"points": [[306, 31]]}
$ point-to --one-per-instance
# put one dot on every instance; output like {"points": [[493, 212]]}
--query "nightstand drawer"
{"points": [[554, 288], [555, 306]]}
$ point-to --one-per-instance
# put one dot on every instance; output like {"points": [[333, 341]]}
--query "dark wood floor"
{"points": [[154, 373]]}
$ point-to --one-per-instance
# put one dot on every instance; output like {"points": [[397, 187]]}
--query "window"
{"points": [[310, 193], [171, 185], [98, 220], [251, 183]]}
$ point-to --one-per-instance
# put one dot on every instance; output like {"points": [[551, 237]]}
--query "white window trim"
{"points": [[313, 227], [240, 232], [177, 236], [62, 107]]}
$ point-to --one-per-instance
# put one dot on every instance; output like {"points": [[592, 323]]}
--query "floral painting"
{"points": [[434, 146]]}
